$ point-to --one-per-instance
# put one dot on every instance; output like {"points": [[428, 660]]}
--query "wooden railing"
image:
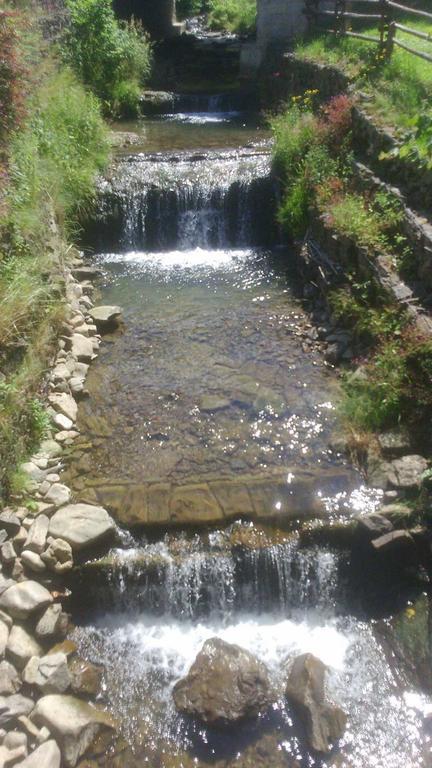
{"points": [[382, 14]]}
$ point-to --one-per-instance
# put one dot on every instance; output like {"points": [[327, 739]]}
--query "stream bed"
{"points": [[211, 415]]}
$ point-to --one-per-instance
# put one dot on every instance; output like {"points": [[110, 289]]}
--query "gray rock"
{"points": [[82, 348], [394, 443], [4, 636], [37, 534], [86, 273], [224, 685], [48, 755], [395, 543], [58, 494], [13, 706], [58, 556], [5, 583], [324, 723], [407, 473], [51, 449], [105, 317], [15, 739], [23, 599], [52, 624], [21, 646], [73, 723], [372, 526], [10, 523], [62, 422], [10, 681], [9, 757], [7, 552], [81, 525], [65, 404], [49, 673], [33, 561], [20, 539], [33, 471]]}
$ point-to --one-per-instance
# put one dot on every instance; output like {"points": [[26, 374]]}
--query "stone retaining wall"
{"points": [[46, 689]]}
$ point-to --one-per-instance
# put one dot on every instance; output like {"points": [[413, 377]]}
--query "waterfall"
{"points": [[192, 580], [155, 203]]}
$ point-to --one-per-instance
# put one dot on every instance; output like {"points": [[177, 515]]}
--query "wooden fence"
{"points": [[383, 14]]}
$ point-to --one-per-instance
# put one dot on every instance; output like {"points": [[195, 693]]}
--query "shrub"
{"points": [[111, 57], [237, 16]]}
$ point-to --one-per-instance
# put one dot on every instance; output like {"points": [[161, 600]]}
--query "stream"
{"points": [[207, 435]]}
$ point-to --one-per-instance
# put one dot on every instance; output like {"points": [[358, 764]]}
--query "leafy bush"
{"points": [[111, 57], [237, 16]]}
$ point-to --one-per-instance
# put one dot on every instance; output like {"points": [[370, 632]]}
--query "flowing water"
{"points": [[210, 406]]}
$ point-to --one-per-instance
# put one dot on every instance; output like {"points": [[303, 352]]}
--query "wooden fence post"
{"points": [[383, 26], [340, 18], [390, 39]]}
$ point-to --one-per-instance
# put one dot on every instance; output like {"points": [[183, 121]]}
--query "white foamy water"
{"points": [[187, 259], [144, 657]]}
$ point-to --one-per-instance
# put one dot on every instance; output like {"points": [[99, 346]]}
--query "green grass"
{"points": [[237, 16], [53, 159], [396, 389], [398, 88]]}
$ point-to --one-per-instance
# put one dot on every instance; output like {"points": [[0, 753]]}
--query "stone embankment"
{"points": [[46, 718]]}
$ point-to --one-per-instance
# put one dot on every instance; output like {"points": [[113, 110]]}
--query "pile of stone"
{"points": [[46, 714]]}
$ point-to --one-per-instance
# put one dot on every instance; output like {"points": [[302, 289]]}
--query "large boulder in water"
{"points": [[323, 722], [224, 685]]}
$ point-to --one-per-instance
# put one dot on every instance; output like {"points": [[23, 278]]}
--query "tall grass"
{"points": [[53, 158]]}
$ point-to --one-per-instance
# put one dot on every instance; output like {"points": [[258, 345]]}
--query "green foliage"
{"points": [[417, 146], [53, 157], [397, 388], [314, 169], [56, 157], [111, 57], [370, 318], [352, 218], [238, 16], [187, 8], [294, 131]]}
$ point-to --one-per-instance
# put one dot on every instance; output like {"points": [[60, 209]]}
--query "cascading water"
{"points": [[182, 202], [210, 406]]}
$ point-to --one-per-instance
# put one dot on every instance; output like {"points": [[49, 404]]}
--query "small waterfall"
{"points": [[179, 203], [191, 580], [217, 103]]}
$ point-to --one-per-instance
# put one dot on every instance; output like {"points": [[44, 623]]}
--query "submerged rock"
{"points": [[73, 722], [224, 685], [324, 723]]}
